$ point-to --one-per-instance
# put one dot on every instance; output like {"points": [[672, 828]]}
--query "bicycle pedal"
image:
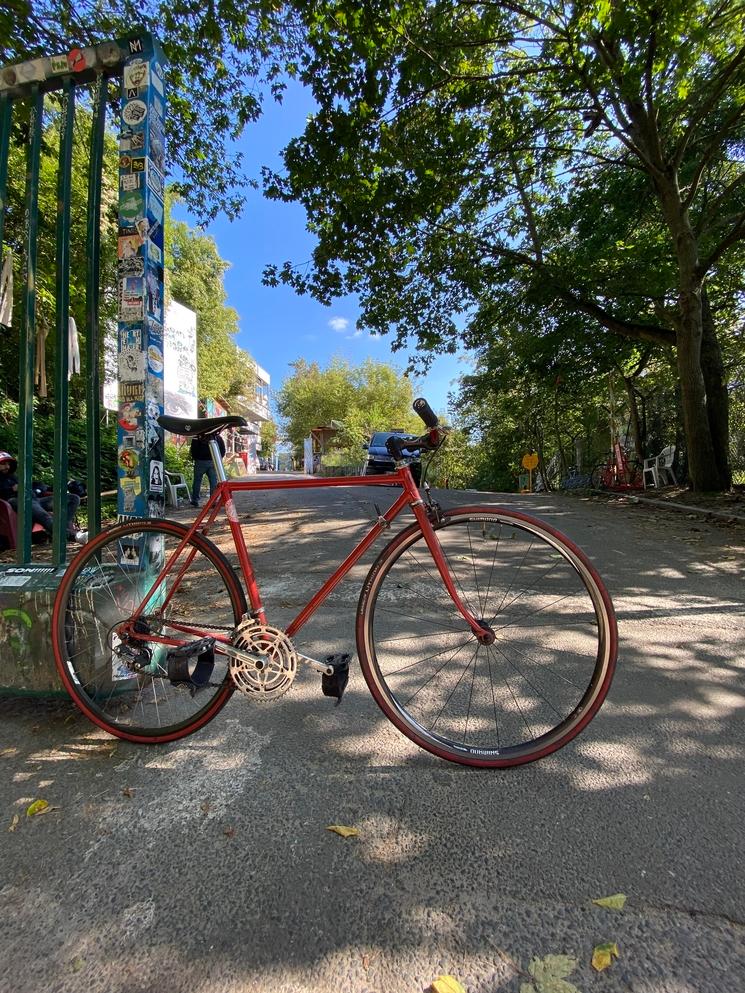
{"points": [[183, 670], [335, 684]]}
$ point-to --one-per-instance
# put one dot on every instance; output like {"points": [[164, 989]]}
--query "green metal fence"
{"points": [[91, 77]]}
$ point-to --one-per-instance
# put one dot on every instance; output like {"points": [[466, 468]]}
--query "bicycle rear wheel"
{"points": [[135, 688], [504, 704]]}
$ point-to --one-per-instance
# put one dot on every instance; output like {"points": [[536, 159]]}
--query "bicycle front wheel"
{"points": [[518, 699], [138, 688]]}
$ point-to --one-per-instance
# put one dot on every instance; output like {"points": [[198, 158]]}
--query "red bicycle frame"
{"points": [[223, 497]]}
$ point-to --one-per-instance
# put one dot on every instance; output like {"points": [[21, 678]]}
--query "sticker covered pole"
{"points": [[140, 275]]}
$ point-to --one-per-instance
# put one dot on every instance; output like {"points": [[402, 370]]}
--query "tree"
{"points": [[362, 399], [461, 153], [195, 277], [222, 57]]}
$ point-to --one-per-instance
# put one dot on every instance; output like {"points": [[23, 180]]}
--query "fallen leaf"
{"points": [[37, 807], [77, 964], [345, 832], [549, 975], [229, 832], [14, 823], [128, 791], [446, 984], [615, 902], [205, 806], [603, 955]]}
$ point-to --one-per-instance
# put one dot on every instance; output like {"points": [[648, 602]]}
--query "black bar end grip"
{"points": [[425, 412]]}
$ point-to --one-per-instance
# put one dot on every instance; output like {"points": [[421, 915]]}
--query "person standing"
{"points": [[203, 465]]}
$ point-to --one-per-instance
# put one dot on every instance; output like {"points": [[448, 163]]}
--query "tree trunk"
{"points": [[702, 464], [703, 467], [636, 429], [717, 395]]}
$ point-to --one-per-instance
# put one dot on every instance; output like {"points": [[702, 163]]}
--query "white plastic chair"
{"points": [[174, 482], [660, 468]]}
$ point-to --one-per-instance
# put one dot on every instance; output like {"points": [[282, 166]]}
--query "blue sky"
{"points": [[277, 325]]}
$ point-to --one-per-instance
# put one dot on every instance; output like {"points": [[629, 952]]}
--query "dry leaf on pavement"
{"points": [[603, 955], [615, 902], [446, 984], [549, 975], [345, 832]]}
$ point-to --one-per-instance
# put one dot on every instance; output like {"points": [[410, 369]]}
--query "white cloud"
{"points": [[339, 324], [357, 334]]}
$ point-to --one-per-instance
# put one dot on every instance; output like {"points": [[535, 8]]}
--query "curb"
{"points": [[671, 505]]}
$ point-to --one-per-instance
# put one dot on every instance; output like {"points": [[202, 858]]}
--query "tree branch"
{"points": [[736, 233], [707, 106]]}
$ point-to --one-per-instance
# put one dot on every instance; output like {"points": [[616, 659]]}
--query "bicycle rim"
{"points": [[499, 705], [137, 690]]}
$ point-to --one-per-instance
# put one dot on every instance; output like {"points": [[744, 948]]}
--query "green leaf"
{"points": [[549, 975], [615, 902]]}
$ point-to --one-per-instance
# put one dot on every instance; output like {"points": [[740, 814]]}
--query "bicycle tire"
{"points": [[100, 588], [407, 623]]}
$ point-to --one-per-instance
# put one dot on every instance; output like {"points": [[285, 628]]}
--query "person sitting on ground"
{"points": [[203, 465], [42, 500]]}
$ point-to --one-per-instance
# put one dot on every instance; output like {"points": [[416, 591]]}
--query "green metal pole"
{"points": [[27, 350], [5, 111], [62, 356], [93, 251]]}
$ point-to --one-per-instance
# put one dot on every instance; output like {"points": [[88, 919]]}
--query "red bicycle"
{"points": [[618, 473], [484, 635]]}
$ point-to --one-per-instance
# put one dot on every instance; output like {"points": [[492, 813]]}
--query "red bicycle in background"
{"points": [[618, 473], [484, 635]]}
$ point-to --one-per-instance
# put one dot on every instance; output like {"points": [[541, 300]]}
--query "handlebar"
{"points": [[401, 448]]}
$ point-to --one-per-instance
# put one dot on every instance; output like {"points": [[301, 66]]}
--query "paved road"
{"points": [[205, 866]]}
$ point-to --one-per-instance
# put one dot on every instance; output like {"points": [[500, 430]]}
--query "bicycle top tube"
{"points": [[409, 497]]}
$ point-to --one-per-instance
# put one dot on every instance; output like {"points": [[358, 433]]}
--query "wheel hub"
{"points": [[488, 637]]}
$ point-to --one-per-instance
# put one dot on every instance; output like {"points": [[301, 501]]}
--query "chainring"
{"points": [[271, 675]]}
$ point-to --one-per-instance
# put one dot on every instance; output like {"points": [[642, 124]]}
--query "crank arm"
{"points": [[327, 670]]}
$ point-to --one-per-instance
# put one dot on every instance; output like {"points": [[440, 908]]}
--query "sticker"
{"points": [[157, 77], [28, 72], [124, 162], [133, 93], [130, 181], [154, 253], [131, 393], [76, 60], [132, 207], [129, 417], [129, 461], [155, 358], [134, 112], [130, 556], [131, 366], [131, 307], [108, 53], [157, 150], [156, 477], [58, 64], [155, 207], [154, 295], [131, 267], [137, 140], [138, 165], [155, 180], [136, 73], [128, 246], [135, 45]]}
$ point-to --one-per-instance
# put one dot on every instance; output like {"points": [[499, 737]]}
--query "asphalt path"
{"points": [[205, 865]]}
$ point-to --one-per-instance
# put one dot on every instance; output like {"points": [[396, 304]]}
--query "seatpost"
{"points": [[217, 459]]}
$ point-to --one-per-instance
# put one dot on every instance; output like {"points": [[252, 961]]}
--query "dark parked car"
{"points": [[379, 459]]}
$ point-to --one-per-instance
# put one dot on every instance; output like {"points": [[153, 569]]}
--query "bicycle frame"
{"points": [[222, 497]]}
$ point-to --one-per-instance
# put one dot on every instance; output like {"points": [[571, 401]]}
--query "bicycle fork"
{"points": [[423, 512]]}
